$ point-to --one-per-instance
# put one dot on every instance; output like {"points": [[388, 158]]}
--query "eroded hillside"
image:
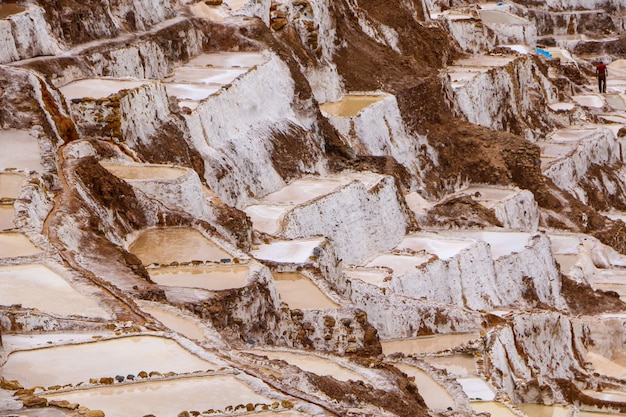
{"points": [[312, 208]]}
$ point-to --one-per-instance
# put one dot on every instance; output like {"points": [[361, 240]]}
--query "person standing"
{"points": [[601, 73]]}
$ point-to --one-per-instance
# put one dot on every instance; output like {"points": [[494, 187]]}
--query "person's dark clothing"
{"points": [[601, 72]]}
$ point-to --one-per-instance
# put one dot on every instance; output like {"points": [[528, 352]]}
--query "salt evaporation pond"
{"points": [[216, 76], [175, 244], [144, 172], [435, 396], [292, 251], [500, 17], [605, 366], [444, 248], [589, 100], [538, 410], [350, 105], [191, 92], [228, 59], [494, 408], [501, 243], [297, 291], [315, 364], [20, 150], [177, 323], [607, 395], [400, 264], [36, 286], [98, 88], [427, 344], [7, 212], [461, 365], [60, 365], [10, 185], [477, 389], [212, 277], [7, 10], [16, 244], [166, 398], [372, 276]]}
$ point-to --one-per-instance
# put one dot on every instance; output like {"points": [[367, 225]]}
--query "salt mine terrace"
{"points": [[464, 70]]}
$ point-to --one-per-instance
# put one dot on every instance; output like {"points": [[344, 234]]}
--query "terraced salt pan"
{"points": [[427, 344], [7, 212], [501, 243], [494, 408], [7, 10], [98, 87], [20, 150], [605, 366], [177, 323], [589, 100], [607, 395], [212, 277], [61, 365], [16, 244], [477, 388], [143, 172], [315, 364], [444, 248], [10, 185], [501, 17], [36, 286], [211, 76], [561, 106], [31, 341], [464, 70], [615, 101], [350, 105], [166, 398], [175, 244], [435, 396], [190, 92], [372, 276], [228, 59], [400, 264], [459, 364], [292, 251], [538, 410], [298, 292]]}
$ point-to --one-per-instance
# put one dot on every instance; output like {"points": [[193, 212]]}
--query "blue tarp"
{"points": [[544, 53]]}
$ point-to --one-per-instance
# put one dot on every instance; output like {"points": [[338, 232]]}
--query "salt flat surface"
{"points": [[214, 277], [175, 244], [435, 396], [267, 218], [477, 388], [564, 244], [6, 218], [494, 408], [228, 60], [566, 262], [315, 364], [20, 150], [561, 106], [427, 344], [10, 185], [563, 54], [165, 398], [538, 410], [522, 49], [371, 276], [615, 101], [297, 291], [605, 366], [192, 92], [307, 189], [143, 172], [500, 17], [16, 244], [182, 325], [607, 395], [292, 251], [589, 100], [443, 247], [350, 105], [98, 87], [501, 243], [60, 365], [458, 364], [219, 76], [401, 264], [36, 286]]}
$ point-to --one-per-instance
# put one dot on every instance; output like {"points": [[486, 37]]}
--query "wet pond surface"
{"points": [[213, 277], [427, 344], [350, 105], [16, 244], [297, 291], [98, 88], [435, 396]]}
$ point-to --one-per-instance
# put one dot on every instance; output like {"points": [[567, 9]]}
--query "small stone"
{"points": [[63, 404], [106, 381], [142, 374], [119, 378], [11, 385], [130, 377], [287, 404], [32, 401], [183, 414], [213, 2], [94, 413]]}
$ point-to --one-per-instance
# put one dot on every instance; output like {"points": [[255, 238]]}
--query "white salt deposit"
{"points": [[267, 218], [20, 150], [218, 76], [191, 92], [228, 60], [36, 286], [427, 344], [16, 244], [435, 396], [298, 292], [501, 243], [589, 100], [98, 87], [372, 276], [292, 251], [444, 248], [561, 106], [476, 388], [60, 365]]}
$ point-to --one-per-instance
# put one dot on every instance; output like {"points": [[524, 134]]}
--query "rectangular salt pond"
{"points": [[7, 213], [306, 189], [376, 277], [144, 172], [36, 286], [458, 364], [444, 248], [350, 105], [315, 364], [185, 326], [10, 185], [589, 100], [7, 10], [500, 17], [494, 408], [166, 398], [538, 410], [98, 88], [16, 244], [435, 396], [427, 344], [501, 243], [228, 60], [175, 244], [60, 365], [194, 75], [191, 92], [267, 218], [476, 388], [20, 150], [607, 395], [297, 291], [292, 251], [214, 277], [400, 264]]}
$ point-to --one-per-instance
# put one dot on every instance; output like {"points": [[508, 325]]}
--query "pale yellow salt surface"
{"points": [[61, 365], [144, 172], [291, 251], [219, 76], [350, 105], [435, 396], [589, 100], [443, 247], [566, 262], [98, 87], [400, 264], [306, 189], [175, 244], [538, 410], [7, 10], [372, 276], [458, 364], [228, 60], [6, 218], [500, 17], [36, 286], [20, 150], [297, 291], [315, 364], [605, 366], [178, 323], [10, 185], [16, 244], [607, 395], [166, 398], [493, 407], [489, 195], [214, 277], [267, 218], [427, 344], [190, 92]]}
